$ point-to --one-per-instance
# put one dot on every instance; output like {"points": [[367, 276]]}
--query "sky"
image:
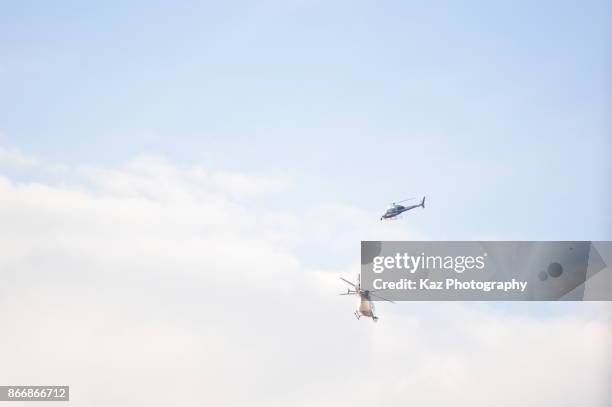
{"points": [[182, 184], [498, 112]]}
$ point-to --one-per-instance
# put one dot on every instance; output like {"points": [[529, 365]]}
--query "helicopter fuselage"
{"points": [[396, 210], [365, 307]]}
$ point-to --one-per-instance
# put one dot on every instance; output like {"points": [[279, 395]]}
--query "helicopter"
{"points": [[366, 306], [397, 209]]}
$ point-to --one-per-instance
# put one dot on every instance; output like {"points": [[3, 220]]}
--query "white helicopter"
{"points": [[366, 306]]}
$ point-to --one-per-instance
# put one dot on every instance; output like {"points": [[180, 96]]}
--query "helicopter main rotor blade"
{"points": [[382, 298], [404, 200], [348, 282]]}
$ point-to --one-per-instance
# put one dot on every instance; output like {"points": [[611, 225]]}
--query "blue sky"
{"points": [[499, 112]]}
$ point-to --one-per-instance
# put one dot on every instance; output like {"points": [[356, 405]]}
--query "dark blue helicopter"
{"points": [[397, 209]]}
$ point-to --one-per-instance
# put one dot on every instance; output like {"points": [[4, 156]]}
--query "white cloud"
{"points": [[152, 284], [12, 156]]}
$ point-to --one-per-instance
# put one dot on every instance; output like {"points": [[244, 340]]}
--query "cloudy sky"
{"points": [[181, 185]]}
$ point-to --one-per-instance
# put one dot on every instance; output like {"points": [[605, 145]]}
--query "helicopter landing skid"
{"points": [[396, 217]]}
